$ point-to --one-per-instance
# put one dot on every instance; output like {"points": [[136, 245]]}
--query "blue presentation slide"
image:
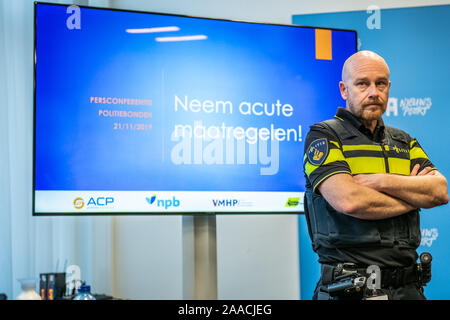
{"points": [[139, 102]]}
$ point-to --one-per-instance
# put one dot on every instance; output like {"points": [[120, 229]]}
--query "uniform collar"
{"points": [[347, 116]]}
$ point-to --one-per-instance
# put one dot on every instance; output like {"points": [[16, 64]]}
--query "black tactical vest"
{"points": [[331, 229]]}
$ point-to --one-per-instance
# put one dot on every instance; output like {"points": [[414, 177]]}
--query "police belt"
{"points": [[390, 277]]}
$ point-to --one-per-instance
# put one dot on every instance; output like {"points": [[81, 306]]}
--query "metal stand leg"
{"points": [[199, 257]]}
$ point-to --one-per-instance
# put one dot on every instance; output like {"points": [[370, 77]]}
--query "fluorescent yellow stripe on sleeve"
{"points": [[327, 176], [333, 155], [417, 152], [309, 168], [335, 143]]}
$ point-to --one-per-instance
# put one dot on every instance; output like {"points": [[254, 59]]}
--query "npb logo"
{"points": [[165, 203]]}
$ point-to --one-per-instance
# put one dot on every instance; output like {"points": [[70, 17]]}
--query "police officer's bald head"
{"points": [[357, 59]]}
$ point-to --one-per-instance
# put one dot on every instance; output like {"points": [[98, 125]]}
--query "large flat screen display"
{"points": [[141, 113]]}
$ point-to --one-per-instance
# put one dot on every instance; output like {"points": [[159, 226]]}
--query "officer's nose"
{"points": [[372, 90]]}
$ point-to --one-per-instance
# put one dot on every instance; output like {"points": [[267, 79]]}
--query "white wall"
{"points": [[257, 257], [5, 192], [275, 11], [147, 257]]}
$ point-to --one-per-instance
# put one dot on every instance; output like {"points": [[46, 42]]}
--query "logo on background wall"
{"points": [[78, 203], [318, 151], [429, 236], [408, 106], [163, 203]]}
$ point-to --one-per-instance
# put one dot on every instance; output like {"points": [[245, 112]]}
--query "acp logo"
{"points": [[165, 203], [99, 202], [78, 203], [292, 202]]}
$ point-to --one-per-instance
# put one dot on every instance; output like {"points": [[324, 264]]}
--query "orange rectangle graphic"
{"points": [[323, 44]]}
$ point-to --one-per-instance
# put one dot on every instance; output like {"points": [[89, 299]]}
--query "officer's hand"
{"points": [[423, 172]]}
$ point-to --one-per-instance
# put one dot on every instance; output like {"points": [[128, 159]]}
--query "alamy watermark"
{"points": [[74, 20]]}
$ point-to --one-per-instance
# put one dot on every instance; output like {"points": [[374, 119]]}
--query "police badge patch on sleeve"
{"points": [[318, 151]]}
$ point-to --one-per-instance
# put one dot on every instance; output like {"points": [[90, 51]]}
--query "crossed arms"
{"points": [[381, 195]]}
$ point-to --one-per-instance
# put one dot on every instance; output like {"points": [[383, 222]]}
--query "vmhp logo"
{"points": [[226, 203], [163, 203]]}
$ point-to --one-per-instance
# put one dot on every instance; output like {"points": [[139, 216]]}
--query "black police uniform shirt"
{"points": [[370, 162]]}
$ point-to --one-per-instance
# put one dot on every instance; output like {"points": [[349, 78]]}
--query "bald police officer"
{"points": [[365, 185]]}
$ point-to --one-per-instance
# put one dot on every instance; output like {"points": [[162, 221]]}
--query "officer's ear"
{"points": [[343, 89]]}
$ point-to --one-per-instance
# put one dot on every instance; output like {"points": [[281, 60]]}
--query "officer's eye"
{"points": [[381, 84], [362, 84]]}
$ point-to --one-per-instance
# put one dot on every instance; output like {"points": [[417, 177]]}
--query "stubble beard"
{"points": [[365, 115]]}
